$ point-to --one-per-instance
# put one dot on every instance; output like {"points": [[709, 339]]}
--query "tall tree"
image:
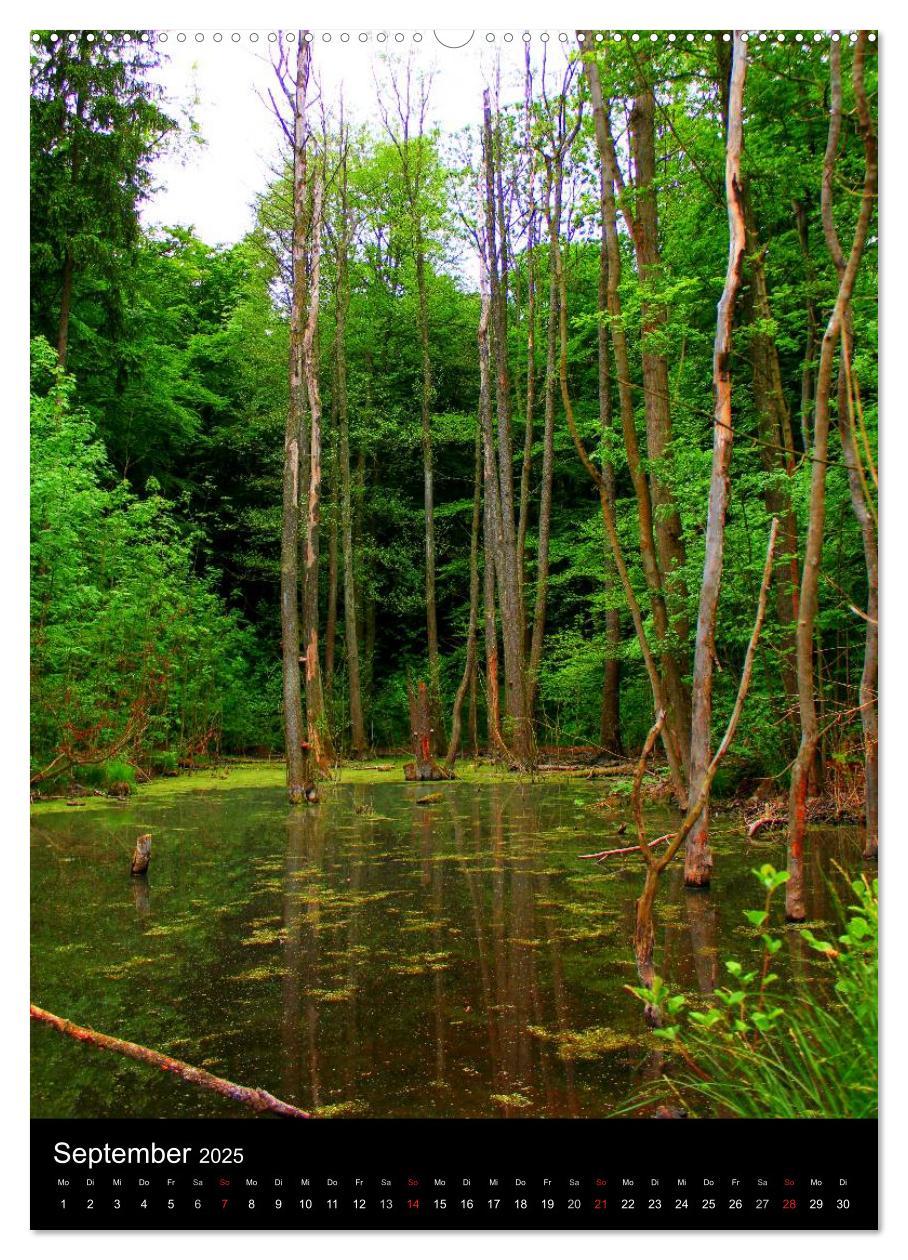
{"points": [[319, 735], [407, 133], [299, 769], [672, 693], [342, 236], [795, 907], [96, 125], [697, 857], [506, 557]]}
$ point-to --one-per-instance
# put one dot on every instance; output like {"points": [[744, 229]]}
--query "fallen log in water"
{"points": [[590, 772], [258, 1099]]}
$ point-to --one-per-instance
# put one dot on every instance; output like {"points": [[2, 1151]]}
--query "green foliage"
{"points": [[810, 1051], [179, 354], [131, 649]]}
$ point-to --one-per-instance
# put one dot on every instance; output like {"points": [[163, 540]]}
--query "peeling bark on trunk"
{"points": [[423, 768], [299, 773], [319, 738], [698, 858], [795, 908]]}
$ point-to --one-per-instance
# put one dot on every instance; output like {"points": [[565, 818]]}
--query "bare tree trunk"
{"points": [[698, 858], [553, 217], [776, 451], [66, 302], [530, 255], [423, 768], [644, 228], [672, 752], [299, 774], [797, 811], [810, 348], [644, 935], [506, 558], [331, 610], [490, 530], [469, 670], [425, 407], [610, 707], [675, 696], [319, 737], [358, 741]]}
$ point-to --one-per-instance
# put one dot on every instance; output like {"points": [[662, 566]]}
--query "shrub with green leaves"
{"points": [[762, 1051], [131, 650]]}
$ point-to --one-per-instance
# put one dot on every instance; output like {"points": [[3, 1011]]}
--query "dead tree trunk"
{"points": [[530, 257], [797, 810], [142, 855], [644, 934], [423, 768], [299, 776], [258, 1099], [469, 670], [319, 738], [697, 858]]}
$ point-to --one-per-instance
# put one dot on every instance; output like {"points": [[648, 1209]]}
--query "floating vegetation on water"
{"points": [[419, 964], [588, 1043], [353, 1107], [168, 929], [416, 921], [261, 973], [516, 1101], [265, 936], [123, 970], [346, 994]]}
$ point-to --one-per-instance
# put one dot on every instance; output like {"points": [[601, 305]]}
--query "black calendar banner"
{"points": [[455, 628], [454, 1174]]}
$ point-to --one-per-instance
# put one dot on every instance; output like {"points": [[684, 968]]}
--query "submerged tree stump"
{"points": [[142, 855], [424, 769]]}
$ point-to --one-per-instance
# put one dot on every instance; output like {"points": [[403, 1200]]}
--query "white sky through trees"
{"points": [[212, 186]]}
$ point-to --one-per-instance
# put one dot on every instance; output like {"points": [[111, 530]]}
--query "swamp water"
{"points": [[369, 956]]}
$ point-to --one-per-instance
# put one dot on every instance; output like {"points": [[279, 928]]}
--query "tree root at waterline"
{"points": [[258, 1099]]}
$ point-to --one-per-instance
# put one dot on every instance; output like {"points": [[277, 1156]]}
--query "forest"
{"points": [[538, 455]]}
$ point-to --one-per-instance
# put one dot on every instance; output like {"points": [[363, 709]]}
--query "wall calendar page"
{"points": [[454, 629]]}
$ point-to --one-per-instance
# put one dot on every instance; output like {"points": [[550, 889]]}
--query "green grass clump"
{"points": [[759, 1053], [115, 775]]}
